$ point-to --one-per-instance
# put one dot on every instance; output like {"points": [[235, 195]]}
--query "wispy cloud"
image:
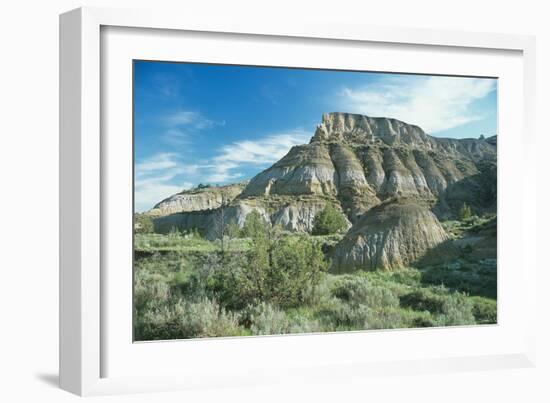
{"points": [[155, 179], [191, 119], [158, 162], [168, 85], [181, 125], [165, 174], [238, 156], [434, 103]]}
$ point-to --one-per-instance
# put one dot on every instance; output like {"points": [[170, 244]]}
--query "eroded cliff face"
{"points": [[390, 236], [361, 161], [197, 199], [360, 129], [207, 222], [356, 163], [291, 215]]}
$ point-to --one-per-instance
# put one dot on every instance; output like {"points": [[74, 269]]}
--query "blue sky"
{"points": [[201, 123]]}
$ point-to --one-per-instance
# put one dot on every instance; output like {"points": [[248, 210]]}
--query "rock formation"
{"points": [[356, 163], [392, 235], [197, 199]]}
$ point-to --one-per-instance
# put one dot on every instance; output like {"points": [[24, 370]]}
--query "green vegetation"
{"points": [[267, 281], [254, 225], [329, 221], [143, 224], [192, 242], [465, 212], [473, 224]]}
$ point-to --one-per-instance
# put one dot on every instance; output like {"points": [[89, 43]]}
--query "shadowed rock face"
{"points": [[392, 235]]}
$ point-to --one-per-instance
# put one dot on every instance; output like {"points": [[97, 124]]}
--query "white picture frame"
{"points": [[90, 344]]}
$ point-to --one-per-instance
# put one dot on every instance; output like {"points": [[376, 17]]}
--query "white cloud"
{"points": [[168, 85], [181, 125], [433, 103], [154, 179], [176, 137], [191, 119], [149, 195], [165, 174], [157, 162], [256, 153]]}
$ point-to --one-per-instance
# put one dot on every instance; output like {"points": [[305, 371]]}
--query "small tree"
{"points": [[254, 225], [233, 230], [143, 224], [220, 225], [297, 263], [277, 270], [465, 212], [329, 221]]}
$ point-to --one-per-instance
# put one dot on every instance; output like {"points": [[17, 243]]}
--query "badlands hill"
{"points": [[391, 180]]}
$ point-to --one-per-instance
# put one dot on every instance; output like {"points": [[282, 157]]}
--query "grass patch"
{"points": [[181, 290], [185, 243]]}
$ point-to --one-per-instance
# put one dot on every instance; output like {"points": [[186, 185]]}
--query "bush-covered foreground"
{"points": [[277, 283]]}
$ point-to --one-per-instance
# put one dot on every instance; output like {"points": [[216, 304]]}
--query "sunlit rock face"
{"points": [[197, 199], [360, 129], [305, 170]]}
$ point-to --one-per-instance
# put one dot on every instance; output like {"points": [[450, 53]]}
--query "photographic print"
{"points": [[275, 200]]}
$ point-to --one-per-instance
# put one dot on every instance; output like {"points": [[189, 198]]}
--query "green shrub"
{"points": [[263, 318], [329, 221], [186, 319], [356, 289], [351, 288], [471, 278], [303, 324], [150, 289], [457, 311], [424, 299], [448, 309], [254, 225], [342, 316], [464, 212], [316, 295], [484, 310], [276, 270], [233, 230], [143, 224], [386, 318], [295, 264]]}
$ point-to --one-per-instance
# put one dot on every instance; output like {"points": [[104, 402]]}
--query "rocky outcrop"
{"points": [[296, 216], [392, 235], [359, 129], [383, 174], [305, 170], [197, 199], [208, 222], [362, 161]]}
